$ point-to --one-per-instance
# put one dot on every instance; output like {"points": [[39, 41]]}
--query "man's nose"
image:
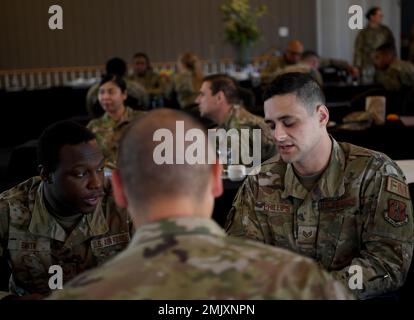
{"points": [[95, 181], [280, 133]]}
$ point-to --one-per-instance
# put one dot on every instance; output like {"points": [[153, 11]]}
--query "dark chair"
{"points": [[408, 103], [248, 99], [23, 162]]}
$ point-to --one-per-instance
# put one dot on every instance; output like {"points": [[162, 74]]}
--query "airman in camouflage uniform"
{"points": [[356, 211], [108, 132], [134, 90], [359, 213], [191, 258], [178, 252], [398, 75], [369, 39], [143, 74], [35, 234], [392, 73], [226, 112], [34, 240], [291, 56]]}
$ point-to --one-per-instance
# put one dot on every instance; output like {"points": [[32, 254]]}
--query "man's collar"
{"points": [[44, 224], [330, 184], [177, 226], [229, 116]]}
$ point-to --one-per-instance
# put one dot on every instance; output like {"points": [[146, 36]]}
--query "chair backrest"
{"points": [[23, 162]]}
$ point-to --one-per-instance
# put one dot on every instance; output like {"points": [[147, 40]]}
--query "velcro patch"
{"points": [[397, 187], [306, 234], [28, 244], [274, 207], [110, 241], [397, 213], [335, 205]]}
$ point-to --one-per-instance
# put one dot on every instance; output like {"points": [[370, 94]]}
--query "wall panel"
{"points": [[95, 30]]}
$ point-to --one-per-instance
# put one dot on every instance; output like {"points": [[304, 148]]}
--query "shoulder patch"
{"points": [[397, 187], [396, 213]]}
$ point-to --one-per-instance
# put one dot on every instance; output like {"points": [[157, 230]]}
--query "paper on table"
{"points": [[407, 121]]}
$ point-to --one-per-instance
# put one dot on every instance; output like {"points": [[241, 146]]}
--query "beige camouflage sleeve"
{"points": [[242, 220], [387, 235], [390, 80], [4, 227]]}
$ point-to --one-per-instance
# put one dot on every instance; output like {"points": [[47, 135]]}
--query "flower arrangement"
{"points": [[241, 22]]}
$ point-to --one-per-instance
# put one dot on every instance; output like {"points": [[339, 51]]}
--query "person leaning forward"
{"points": [[219, 101], [65, 217], [337, 203], [178, 251]]}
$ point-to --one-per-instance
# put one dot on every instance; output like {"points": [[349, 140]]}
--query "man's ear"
{"points": [[220, 96], [45, 174], [323, 114], [118, 190], [217, 189]]}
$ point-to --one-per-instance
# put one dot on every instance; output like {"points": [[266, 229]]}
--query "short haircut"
{"points": [[372, 12], [226, 84], [309, 54], [302, 85], [117, 80], [116, 66], [55, 137], [387, 48], [145, 181]]}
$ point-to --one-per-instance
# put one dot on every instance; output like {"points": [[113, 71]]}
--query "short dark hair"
{"points": [[302, 85], [372, 12], [116, 66], [144, 180], [387, 48], [56, 136], [226, 84], [117, 80]]}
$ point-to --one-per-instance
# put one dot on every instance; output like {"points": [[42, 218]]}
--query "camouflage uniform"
{"points": [[337, 63], [134, 90], [269, 72], [108, 132], [151, 81], [358, 213], [191, 258], [367, 41], [183, 85], [239, 118], [32, 240], [399, 75]]}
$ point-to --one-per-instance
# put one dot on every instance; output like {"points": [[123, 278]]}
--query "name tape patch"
{"points": [[397, 187], [110, 241]]}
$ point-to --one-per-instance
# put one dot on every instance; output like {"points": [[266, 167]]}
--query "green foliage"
{"points": [[241, 22]]}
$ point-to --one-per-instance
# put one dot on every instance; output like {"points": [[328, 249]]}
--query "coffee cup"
{"points": [[236, 172]]}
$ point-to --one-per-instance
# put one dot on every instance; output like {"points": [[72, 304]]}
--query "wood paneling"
{"points": [[95, 30]]}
